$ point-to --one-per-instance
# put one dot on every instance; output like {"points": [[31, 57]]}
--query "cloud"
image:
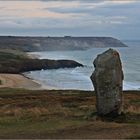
{"points": [[30, 9], [77, 17]]}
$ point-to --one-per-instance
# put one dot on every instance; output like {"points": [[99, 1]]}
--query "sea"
{"points": [[79, 78]]}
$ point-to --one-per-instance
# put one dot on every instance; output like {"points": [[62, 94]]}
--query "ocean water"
{"points": [[79, 78]]}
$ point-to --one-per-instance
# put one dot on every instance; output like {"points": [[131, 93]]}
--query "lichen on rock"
{"points": [[108, 82]]}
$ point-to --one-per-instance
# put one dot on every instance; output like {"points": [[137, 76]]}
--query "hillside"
{"points": [[57, 43], [17, 63]]}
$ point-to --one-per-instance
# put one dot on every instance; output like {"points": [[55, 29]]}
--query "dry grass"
{"points": [[46, 114]]}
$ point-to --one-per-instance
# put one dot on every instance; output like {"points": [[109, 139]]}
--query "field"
{"points": [[64, 114]]}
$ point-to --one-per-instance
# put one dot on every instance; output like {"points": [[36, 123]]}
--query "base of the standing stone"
{"points": [[124, 117], [113, 114], [110, 116]]}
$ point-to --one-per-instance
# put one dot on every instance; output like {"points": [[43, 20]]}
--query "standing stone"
{"points": [[107, 80]]}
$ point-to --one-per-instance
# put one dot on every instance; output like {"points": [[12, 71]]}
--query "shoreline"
{"points": [[21, 81], [42, 87], [33, 56], [18, 81], [8, 80]]}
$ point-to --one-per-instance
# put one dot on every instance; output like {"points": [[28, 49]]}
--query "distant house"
{"points": [[67, 36]]}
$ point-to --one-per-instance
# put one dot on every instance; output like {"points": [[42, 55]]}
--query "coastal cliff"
{"points": [[29, 44], [14, 63]]}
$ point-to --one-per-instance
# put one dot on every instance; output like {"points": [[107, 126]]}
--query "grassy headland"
{"points": [[11, 62], [63, 114]]}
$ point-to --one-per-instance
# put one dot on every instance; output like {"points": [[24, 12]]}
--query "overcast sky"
{"points": [[120, 19]]}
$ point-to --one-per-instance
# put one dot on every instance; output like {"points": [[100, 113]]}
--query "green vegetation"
{"points": [[4, 56], [17, 63], [11, 62], [135, 101], [16, 127], [27, 112]]}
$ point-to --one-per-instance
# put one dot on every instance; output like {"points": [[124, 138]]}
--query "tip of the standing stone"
{"points": [[108, 58], [111, 51]]}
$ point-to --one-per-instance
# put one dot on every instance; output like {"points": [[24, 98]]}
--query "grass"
{"points": [[47, 114], [28, 125], [135, 101], [5, 55], [134, 137]]}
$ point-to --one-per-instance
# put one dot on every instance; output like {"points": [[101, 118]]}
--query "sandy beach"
{"points": [[18, 81], [32, 56]]}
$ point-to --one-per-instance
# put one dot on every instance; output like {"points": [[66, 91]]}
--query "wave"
{"points": [[79, 78], [131, 86]]}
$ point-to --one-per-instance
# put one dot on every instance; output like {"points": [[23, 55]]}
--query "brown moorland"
{"points": [[64, 114]]}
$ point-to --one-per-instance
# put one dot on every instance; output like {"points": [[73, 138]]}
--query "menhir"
{"points": [[108, 82]]}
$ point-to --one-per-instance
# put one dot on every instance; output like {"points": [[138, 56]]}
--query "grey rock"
{"points": [[107, 79]]}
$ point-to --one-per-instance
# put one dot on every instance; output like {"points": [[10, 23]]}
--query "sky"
{"points": [[115, 18]]}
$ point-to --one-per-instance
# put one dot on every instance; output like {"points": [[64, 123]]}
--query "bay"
{"points": [[79, 78]]}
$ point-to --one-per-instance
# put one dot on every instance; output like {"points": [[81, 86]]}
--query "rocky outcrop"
{"points": [[108, 81], [36, 64], [11, 63], [29, 44]]}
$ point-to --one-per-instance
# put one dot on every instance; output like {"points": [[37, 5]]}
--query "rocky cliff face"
{"points": [[11, 63], [36, 64], [57, 43], [107, 80]]}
